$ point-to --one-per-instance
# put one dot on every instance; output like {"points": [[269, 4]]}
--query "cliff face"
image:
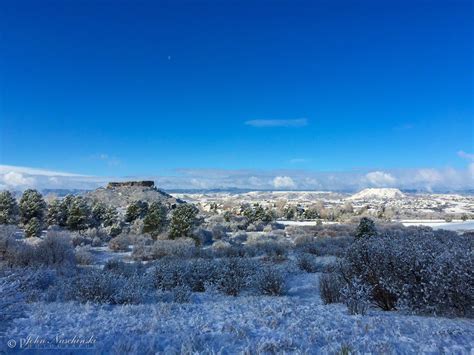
{"points": [[112, 185]]}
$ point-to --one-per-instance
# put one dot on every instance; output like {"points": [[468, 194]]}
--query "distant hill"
{"points": [[380, 194], [121, 194]]}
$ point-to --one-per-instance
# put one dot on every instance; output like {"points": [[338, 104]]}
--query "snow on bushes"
{"points": [[55, 249], [330, 288], [418, 269]]}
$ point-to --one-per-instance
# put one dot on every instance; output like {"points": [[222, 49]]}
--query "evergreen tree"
{"points": [[98, 213], [183, 221], [366, 228], [110, 217], [57, 214], [155, 220], [8, 208], [33, 228], [32, 205], [137, 209], [78, 214]]}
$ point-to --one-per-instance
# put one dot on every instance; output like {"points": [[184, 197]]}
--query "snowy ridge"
{"points": [[378, 193]]}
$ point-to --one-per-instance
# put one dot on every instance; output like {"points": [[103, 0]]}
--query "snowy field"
{"points": [[213, 323], [440, 224]]}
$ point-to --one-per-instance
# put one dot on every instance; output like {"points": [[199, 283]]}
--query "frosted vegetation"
{"points": [[175, 279]]}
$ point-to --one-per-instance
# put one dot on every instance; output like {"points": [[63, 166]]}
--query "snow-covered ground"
{"points": [[213, 323], [440, 224], [303, 223]]}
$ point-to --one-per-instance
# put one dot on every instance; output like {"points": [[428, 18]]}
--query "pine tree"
{"points": [[183, 221], [33, 228], [78, 214], [137, 209], [57, 214], [155, 220], [98, 213], [8, 208], [110, 217], [32, 205], [366, 228]]}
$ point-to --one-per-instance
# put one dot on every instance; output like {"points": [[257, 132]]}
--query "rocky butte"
{"points": [[143, 183]]}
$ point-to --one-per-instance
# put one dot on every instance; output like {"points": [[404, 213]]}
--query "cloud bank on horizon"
{"points": [[427, 179]]}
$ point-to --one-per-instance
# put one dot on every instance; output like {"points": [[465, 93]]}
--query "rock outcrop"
{"points": [[146, 183], [122, 194]]}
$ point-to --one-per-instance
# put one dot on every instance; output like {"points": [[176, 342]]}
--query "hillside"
{"points": [[378, 194], [121, 194]]}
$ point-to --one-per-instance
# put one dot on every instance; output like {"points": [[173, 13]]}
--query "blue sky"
{"points": [[155, 88]]}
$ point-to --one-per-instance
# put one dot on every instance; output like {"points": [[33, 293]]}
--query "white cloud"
{"points": [[20, 178], [281, 182], [4, 169], [380, 178], [428, 176], [15, 179], [299, 122], [464, 155]]}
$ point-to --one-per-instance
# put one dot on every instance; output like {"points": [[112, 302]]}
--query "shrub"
{"points": [[181, 294], [270, 282], [119, 243], [356, 295], [234, 276], [330, 288], [84, 256], [184, 248], [419, 269], [336, 246], [100, 286], [55, 249], [94, 286], [307, 262], [10, 302]]}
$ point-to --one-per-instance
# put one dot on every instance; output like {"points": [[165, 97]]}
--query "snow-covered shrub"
{"points": [[134, 289], [420, 269], [96, 242], [7, 240], [234, 275], [277, 250], [35, 282], [307, 262], [356, 295], [182, 247], [10, 302], [240, 237], [100, 286], [330, 287], [181, 294], [170, 273], [219, 232], [324, 246], [78, 240], [94, 286], [270, 282], [202, 236], [120, 243], [84, 256], [55, 249]]}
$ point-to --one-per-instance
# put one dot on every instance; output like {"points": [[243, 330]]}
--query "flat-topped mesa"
{"points": [[113, 185]]}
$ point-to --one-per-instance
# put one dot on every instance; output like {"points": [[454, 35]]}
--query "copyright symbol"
{"points": [[11, 343]]}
